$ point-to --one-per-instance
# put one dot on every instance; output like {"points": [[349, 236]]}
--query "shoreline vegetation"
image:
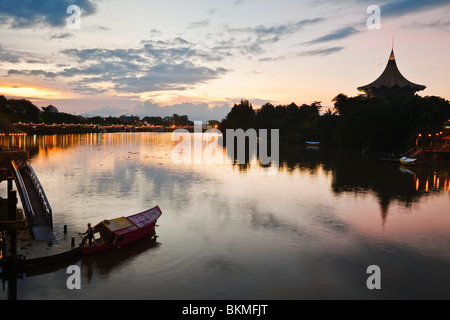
{"points": [[387, 123]]}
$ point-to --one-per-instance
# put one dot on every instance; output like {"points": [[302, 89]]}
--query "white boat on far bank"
{"points": [[407, 161]]}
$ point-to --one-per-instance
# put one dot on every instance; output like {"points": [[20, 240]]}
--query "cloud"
{"points": [[255, 40], [199, 24], [441, 25], [404, 7], [106, 112], [309, 53], [168, 77], [194, 111], [99, 54], [321, 52], [178, 49], [43, 73], [283, 29], [7, 55], [335, 35], [64, 35], [395, 8], [25, 14], [86, 90], [175, 64], [275, 32]]}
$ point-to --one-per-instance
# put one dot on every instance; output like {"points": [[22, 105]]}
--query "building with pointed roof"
{"points": [[391, 82], [7, 129]]}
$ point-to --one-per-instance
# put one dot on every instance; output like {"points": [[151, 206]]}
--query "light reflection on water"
{"points": [[230, 232]]}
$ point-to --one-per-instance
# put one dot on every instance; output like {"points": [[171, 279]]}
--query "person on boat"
{"points": [[88, 235]]}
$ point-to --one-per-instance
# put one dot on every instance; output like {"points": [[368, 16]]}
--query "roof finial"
{"points": [[392, 57]]}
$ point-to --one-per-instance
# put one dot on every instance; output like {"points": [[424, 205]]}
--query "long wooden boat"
{"points": [[313, 143], [115, 233]]}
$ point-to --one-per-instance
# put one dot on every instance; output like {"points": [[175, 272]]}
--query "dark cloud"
{"points": [[157, 65], [7, 55], [404, 7], [43, 73], [283, 29], [321, 52], [253, 40], [441, 25], [395, 8], [335, 35], [178, 50], [168, 77], [25, 14], [99, 54], [309, 53]]}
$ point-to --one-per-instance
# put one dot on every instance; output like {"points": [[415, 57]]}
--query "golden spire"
{"points": [[392, 57]]}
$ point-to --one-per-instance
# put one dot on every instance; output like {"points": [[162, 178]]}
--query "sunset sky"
{"points": [[200, 57]]}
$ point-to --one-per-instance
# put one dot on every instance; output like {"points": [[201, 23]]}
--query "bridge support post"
{"points": [[10, 185], [12, 216]]}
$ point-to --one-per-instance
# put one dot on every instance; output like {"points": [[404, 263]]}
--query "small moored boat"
{"points": [[407, 161], [312, 143], [110, 234]]}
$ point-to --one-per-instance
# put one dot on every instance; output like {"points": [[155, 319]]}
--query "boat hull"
{"points": [[133, 228], [129, 238], [407, 161]]}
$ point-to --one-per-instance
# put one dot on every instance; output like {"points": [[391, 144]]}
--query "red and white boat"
{"points": [[110, 234]]}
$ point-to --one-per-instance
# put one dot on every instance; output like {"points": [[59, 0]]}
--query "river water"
{"points": [[310, 230]]}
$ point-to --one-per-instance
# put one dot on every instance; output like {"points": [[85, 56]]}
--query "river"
{"points": [[310, 230]]}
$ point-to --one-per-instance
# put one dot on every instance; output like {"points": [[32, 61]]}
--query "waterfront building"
{"points": [[391, 82]]}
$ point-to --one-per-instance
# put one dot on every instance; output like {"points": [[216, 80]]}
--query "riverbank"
{"points": [[50, 129]]}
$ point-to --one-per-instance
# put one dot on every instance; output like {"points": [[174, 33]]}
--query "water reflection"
{"points": [[104, 262], [229, 232], [350, 172]]}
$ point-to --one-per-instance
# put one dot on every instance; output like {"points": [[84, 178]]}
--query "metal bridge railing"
{"points": [[40, 191], [26, 203]]}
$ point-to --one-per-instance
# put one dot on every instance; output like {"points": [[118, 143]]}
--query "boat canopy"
{"points": [[119, 226], [122, 225]]}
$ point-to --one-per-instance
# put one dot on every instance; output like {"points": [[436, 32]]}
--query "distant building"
{"points": [[391, 82], [129, 119], [51, 108], [211, 124]]}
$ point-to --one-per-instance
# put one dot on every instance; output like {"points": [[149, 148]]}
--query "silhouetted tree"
{"points": [[15, 110], [241, 116]]}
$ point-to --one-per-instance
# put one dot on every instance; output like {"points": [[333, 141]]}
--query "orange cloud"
{"points": [[29, 92]]}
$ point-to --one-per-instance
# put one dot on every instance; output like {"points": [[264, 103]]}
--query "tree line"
{"points": [[386, 123], [22, 110]]}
